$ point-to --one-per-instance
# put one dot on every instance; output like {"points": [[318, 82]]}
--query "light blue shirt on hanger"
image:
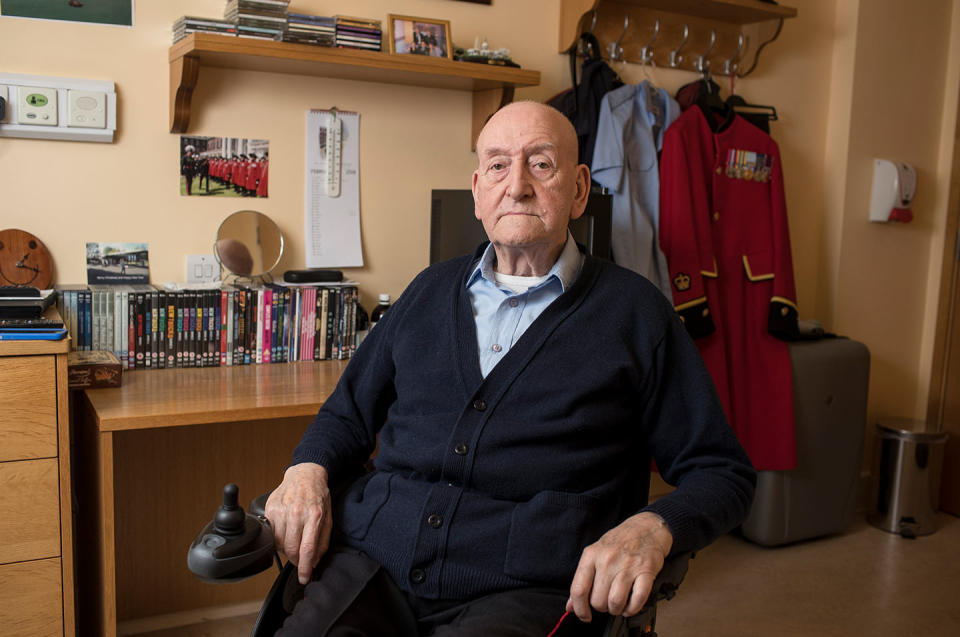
{"points": [[629, 135], [502, 315]]}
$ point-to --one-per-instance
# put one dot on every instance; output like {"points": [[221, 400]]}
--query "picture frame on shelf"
{"points": [[419, 36]]}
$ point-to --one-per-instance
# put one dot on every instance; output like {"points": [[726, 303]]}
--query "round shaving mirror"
{"points": [[249, 244]]}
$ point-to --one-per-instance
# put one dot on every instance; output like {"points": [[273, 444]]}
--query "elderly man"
{"points": [[519, 395]]}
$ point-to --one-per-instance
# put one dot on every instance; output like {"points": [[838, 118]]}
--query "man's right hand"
{"points": [[300, 513]]}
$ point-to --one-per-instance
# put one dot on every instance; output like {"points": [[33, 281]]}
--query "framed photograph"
{"points": [[118, 12], [420, 36]]}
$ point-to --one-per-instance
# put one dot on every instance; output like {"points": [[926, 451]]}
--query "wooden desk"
{"points": [[152, 459]]}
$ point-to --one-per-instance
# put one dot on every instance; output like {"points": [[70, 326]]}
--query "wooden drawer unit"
{"points": [[32, 598], [28, 407], [30, 501], [36, 524]]}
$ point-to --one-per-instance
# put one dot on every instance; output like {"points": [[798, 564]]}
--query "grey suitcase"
{"points": [[819, 497]]}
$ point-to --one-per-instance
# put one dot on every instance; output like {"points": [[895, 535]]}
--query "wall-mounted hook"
{"points": [[703, 61], [586, 49], [731, 65], [675, 57], [614, 48], [646, 53]]}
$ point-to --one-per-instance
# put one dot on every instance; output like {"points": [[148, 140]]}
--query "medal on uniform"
{"points": [[749, 165]]}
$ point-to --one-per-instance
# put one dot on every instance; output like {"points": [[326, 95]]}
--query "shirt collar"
{"points": [[565, 270]]}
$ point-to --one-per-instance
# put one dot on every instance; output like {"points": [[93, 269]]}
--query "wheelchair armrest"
{"points": [[670, 577], [258, 505], [664, 588]]}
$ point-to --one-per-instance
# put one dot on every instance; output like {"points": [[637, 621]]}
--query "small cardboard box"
{"points": [[93, 369]]}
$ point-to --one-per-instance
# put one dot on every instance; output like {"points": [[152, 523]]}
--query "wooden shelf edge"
{"points": [[739, 12], [197, 50]]}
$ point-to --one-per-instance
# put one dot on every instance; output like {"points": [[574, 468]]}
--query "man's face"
{"points": [[527, 185]]}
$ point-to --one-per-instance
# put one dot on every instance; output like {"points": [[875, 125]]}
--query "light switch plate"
{"points": [[86, 109], [36, 106], [202, 268]]}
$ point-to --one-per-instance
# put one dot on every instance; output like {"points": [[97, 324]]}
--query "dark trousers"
{"points": [[352, 596]]}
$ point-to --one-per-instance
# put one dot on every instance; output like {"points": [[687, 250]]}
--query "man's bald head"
{"points": [[532, 113]]}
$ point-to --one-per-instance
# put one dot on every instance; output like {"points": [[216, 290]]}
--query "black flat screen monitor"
{"points": [[454, 230]]}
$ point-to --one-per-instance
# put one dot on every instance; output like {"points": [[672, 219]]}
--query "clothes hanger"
{"points": [[740, 105]]}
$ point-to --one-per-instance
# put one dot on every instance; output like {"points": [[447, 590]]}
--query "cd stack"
{"points": [[310, 29], [190, 24], [358, 33], [258, 19]]}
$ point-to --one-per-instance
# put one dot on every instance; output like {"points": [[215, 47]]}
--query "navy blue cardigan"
{"points": [[488, 484]]}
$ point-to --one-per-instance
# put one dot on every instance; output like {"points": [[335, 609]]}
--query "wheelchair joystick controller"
{"points": [[229, 519], [234, 545]]}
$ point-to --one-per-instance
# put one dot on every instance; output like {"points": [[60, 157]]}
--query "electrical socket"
{"points": [[202, 268]]}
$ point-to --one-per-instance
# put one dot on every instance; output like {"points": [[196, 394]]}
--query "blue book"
{"points": [[32, 334]]}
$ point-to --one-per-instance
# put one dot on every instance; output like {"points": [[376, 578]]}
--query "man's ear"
{"points": [[582, 192], [473, 187]]}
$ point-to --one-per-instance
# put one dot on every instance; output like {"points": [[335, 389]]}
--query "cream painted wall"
{"points": [[411, 139], [878, 287]]}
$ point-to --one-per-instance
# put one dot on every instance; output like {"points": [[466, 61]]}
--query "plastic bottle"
{"points": [[380, 310]]}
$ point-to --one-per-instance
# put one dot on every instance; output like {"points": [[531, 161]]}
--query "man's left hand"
{"points": [[616, 573]]}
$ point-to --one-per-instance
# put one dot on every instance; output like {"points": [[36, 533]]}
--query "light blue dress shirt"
{"points": [[629, 133], [503, 315]]}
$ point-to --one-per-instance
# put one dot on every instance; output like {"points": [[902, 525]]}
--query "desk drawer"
{"points": [[29, 511], [28, 407], [32, 599]]}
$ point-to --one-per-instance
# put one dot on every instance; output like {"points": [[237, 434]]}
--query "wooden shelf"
{"points": [[727, 18], [491, 85]]}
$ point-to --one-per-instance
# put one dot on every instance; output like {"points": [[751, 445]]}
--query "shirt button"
{"points": [[436, 521], [417, 575], [514, 302], [496, 347], [460, 449], [480, 404], [716, 216]]}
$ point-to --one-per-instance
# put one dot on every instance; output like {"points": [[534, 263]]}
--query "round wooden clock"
{"points": [[24, 260]]}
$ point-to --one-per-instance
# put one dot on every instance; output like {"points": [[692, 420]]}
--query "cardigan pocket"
{"points": [[362, 503], [547, 535]]}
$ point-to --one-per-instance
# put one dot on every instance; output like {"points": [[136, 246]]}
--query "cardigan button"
{"points": [[436, 521], [460, 449], [417, 576], [480, 404]]}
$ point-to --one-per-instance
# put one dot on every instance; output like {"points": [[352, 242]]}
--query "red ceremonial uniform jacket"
{"points": [[723, 231], [262, 186], [253, 174]]}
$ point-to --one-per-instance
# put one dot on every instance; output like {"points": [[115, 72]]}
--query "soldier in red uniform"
{"points": [[253, 176], [723, 231], [262, 186]]}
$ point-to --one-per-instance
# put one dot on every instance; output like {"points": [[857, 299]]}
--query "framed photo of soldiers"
{"points": [[420, 36]]}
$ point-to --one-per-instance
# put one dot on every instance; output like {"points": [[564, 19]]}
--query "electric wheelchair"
{"points": [[236, 545]]}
